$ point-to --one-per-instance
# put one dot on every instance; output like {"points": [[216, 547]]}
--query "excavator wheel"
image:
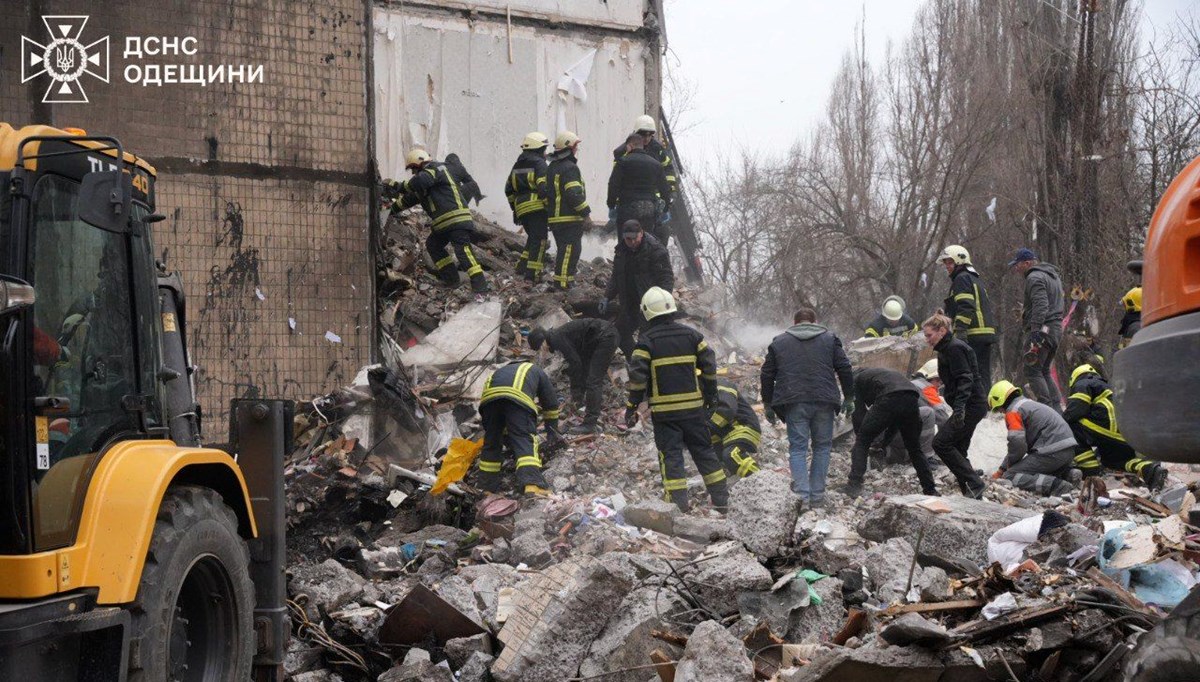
{"points": [[193, 620], [1171, 651]]}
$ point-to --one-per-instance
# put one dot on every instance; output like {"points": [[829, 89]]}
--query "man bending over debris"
{"points": [[510, 417], [435, 189], [640, 261], [885, 401], [1093, 420], [665, 362], [735, 430], [1040, 444], [588, 346], [934, 412]]}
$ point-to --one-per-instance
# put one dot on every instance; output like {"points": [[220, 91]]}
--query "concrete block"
{"points": [[626, 641], [732, 570], [458, 651], [328, 586], [714, 654], [763, 511], [961, 533]]}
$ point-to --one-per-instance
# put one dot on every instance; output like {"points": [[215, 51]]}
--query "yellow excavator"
{"points": [[127, 551]]}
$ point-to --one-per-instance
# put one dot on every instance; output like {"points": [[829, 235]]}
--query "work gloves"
{"points": [[848, 406], [631, 417], [1039, 338], [957, 419]]}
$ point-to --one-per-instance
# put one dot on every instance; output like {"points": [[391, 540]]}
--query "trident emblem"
{"points": [[64, 59]]}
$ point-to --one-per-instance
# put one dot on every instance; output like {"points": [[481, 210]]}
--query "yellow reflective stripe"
{"points": [[557, 199], [454, 188], [641, 353], [871, 333], [1102, 430], [728, 389], [673, 360], [637, 387], [701, 346], [489, 467], [529, 461], [458, 215], [964, 297], [708, 376], [980, 330], [715, 477], [475, 268], [719, 420], [448, 260], [1081, 396], [572, 184], [675, 407], [962, 318], [675, 397], [551, 415], [742, 432], [978, 308]]}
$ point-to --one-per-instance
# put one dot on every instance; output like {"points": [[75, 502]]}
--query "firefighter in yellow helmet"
{"points": [[675, 369], [1040, 444], [526, 192], [567, 207], [1131, 321], [892, 320], [969, 307], [1093, 419], [435, 188]]}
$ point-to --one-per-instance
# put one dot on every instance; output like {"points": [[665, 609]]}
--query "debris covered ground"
{"points": [[604, 581]]}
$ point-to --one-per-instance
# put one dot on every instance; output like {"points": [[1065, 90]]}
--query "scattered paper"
{"points": [[935, 505], [332, 338], [396, 497], [292, 323], [1000, 606], [1139, 548], [258, 292]]}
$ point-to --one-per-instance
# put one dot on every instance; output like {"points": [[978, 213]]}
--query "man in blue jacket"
{"points": [[800, 379]]}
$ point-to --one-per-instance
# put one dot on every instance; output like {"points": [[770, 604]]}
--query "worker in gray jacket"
{"points": [[1041, 446], [1041, 320]]}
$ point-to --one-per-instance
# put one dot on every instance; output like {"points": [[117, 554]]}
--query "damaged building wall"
{"points": [[474, 83], [266, 186]]}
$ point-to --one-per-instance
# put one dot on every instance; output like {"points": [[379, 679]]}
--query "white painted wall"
{"points": [[609, 12], [448, 85]]}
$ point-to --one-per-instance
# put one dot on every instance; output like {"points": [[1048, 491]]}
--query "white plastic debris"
{"points": [[332, 338], [1000, 606]]}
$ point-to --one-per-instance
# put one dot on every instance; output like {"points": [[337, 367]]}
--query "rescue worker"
{"points": [[969, 307], [588, 346], [435, 189], [526, 192], [640, 262], [885, 401], [676, 372], [892, 320], [1041, 320], [645, 127], [466, 183], [1093, 419], [510, 415], [934, 412], [1041, 446], [964, 391], [567, 206], [1131, 322], [636, 186], [736, 433]]}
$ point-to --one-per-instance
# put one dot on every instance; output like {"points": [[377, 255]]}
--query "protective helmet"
{"points": [[929, 370], [956, 253], [1081, 371], [536, 337], [1000, 394], [565, 139], [893, 308], [415, 158], [534, 140], [644, 124], [657, 301], [1133, 300]]}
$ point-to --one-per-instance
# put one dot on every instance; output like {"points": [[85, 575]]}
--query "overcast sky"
{"points": [[762, 69]]}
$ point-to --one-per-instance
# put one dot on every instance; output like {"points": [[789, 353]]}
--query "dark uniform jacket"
{"points": [[881, 326], [1131, 323], [805, 365], [664, 370], [576, 339], [522, 383], [637, 176], [566, 196], [656, 150], [872, 383], [436, 190], [466, 183], [634, 271], [969, 307], [733, 418], [526, 186], [1090, 404], [959, 372]]}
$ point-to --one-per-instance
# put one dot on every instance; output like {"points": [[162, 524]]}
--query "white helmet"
{"points": [[534, 140], [657, 301], [955, 253], [893, 308], [415, 158], [644, 124], [928, 370], [565, 139]]}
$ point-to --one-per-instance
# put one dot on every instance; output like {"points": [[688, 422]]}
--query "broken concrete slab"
{"points": [[458, 593], [476, 668], [460, 649], [819, 622], [626, 641], [731, 570], [531, 549], [872, 664], [327, 586], [934, 584], [317, 676], [556, 616], [656, 515], [763, 510], [471, 335], [961, 532], [713, 654], [915, 629], [703, 530], [889, 561], [418, 671]]}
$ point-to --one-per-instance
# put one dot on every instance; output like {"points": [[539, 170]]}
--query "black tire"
{"points": [[193, 620], [1171, 651]]}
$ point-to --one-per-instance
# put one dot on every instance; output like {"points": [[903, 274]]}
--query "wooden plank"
{"points": [[935, 607], [664, 665], [1010, 622]]}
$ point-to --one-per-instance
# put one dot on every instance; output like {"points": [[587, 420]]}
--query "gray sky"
{"points": [[761, 69]]}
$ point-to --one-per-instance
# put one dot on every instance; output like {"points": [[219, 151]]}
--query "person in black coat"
{"points": [[885, 402], [636, 186], [639, 262], [963, 389], [588, 346]]}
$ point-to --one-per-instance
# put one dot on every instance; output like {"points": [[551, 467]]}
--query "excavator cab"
{"points": [[127, 550]]}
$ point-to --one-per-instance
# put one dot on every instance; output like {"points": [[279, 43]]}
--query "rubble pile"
{"points": [[604, 581]]}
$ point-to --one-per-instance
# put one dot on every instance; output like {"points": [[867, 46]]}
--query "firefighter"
{"points": [[1093, 419], [674, 367], [526, 192], [636, 188], [1041, 446], [567, 206], [435, 189], [885, 401], [645, 127], [892, 320], [1131, 322], [466, 184], [967, 396], [969, 307], [736, 433], [510, 415], [640, 261], [588, 346]]}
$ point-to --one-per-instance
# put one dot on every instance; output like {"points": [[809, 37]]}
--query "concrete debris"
{"points": [[713, 654], [326, 587], [722, 573], [955, 533], [763, 511], [477, 668], [913, 628], [819, 622], [460, 649], [625, 641]]}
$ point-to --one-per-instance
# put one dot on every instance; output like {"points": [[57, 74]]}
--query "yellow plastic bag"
{"points": [[459, 457]]}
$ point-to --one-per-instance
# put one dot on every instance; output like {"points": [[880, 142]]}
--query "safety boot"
{"points": [[583, 429], [851, 490], [1156, 477]]}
